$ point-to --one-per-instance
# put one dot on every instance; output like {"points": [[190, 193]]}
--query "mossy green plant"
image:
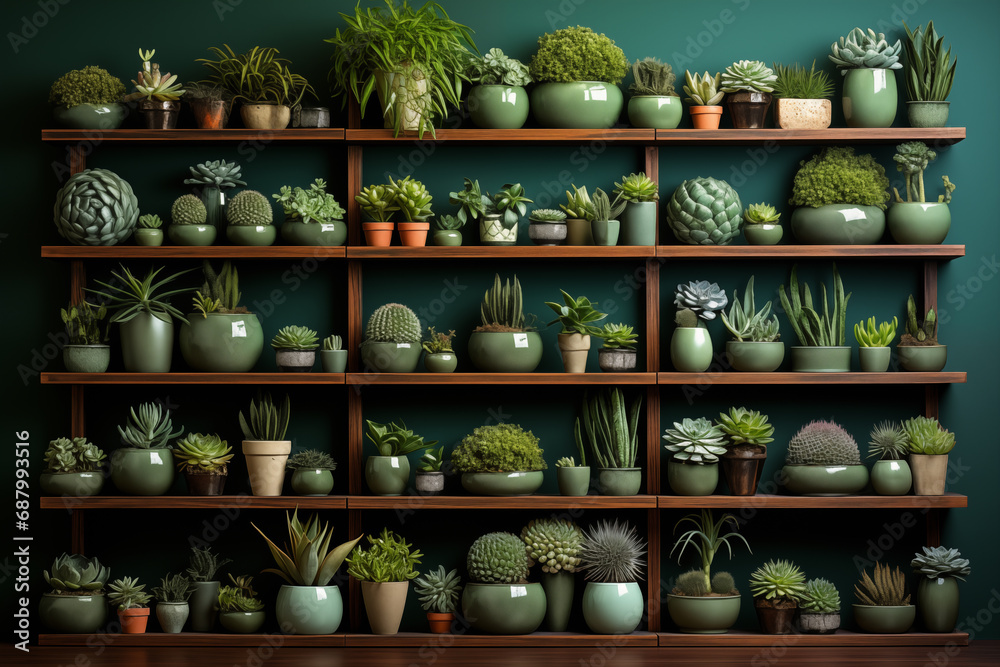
{"points": [[578, 54], [498, 448], [837, 176], [90, 85]]}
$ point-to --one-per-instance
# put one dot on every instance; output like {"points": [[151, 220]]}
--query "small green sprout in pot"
{"points": [[440, 357], [147, 230], [447, 230], [575, 315], [240, 609], [429, 479], [761, 224], [332, 355], [918, 348], [132, 602], [654, 102], [873, 344], [73, 468], [617, 353], [295, 349]]}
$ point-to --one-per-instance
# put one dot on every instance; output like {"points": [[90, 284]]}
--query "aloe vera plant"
{"points": [[611, 430], [814, 327]]}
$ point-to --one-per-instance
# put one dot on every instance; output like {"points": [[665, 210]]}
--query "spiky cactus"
{"points": [[249, 207], [612, 553], [779, 579], [188, 210], [752, 75], [691, 584], [554, 543], [705, 211], [393, 323], [694, 441], [74, 572], [498, 558], [938, 562], [652, 77], [698, 300], [823, 443], [215, 174], [886, 588], [820, 597], [888, 442], [865, 49], [703, 89]]}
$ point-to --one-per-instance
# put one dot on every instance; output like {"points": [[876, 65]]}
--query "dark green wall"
{"points": [[698, 36]]}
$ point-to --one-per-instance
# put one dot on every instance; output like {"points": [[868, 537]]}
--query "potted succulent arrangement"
{"points": [[87, 350], [617, 353], [755, 346], [72, 468], [88, 99], [385, 571], [695, 446], [690, 346], [312, 217], [918, 349], [890, 475], [930, 70], [705, 211], [819, 608], [822, 342], [777, 587], [392, 340], [307, 604], [210, 105], [312, 472], [249, 217], [577, 72], [147, 230], [547, 226], [189, 222], [498, 226], [579, 215], [638, 218], [295, 349], [823, 460], [701, 602], [929, 444], [440, 358], [748, 434], [388, 472], [160, 94], [917, 220], [240, 610], [498, 599], [760, 224], [654, 102], [883, 604], [866, 61], [264, 444], [575, 315], [611, 557], [429, 478], [172, 608], [333, 358], [748, 85], [210, 180], [937, 592], [504, 342], [438, 591], [802, 97], [447, 230], [473, 205], [604, 225], [413, 202], [498, 100], [703, 95], [132, 601], [555, 545], [612, 434], [499, 460], [203, 459], [377, 203], [144, 467], [95, 207], [840, 198], [202, 568], [574, 478], [873, 344], [76, 603]]}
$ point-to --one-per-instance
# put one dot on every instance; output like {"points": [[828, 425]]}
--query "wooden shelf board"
{"points": [[310, 134], [767, 501], [242, 501], [203, 639], [839, 638], [192, 378], [536, 639], [499, 502], [500, 378], [528, 135], [502, 252], [731, 252], [791, 377], [939, 136], [192, 252]]}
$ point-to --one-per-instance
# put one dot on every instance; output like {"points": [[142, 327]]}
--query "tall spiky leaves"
{"points": [[307, 559]]}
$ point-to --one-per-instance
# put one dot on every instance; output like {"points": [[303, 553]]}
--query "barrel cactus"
{"points": [[705, 211], [95, 207], [823, 443], [498, 558], [249, 208], [554, 543], [188, 210], [393, 323]]}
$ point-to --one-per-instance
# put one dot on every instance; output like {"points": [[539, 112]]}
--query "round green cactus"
{"points": [[705, 211], [250, 208], [393, 323], [497, 558], [95, 207], [554, 543], [188, 210], [823, 443]]}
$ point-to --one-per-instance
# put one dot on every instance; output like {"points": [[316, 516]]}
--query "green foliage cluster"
{"points": [[173, 588], [498, 448], [750, 75], [436, 342], [746, 427], [745, 322], [496, 69], [83, 323], [308, 559], [240, 597], [553, 543], [919, 333], [869, 335], [618, 336], [204, 564], [395, 439], [652, 77], [76, 455], [432, 460], [267, 420], [612, 431], [309, 459], [930, 68], [636, 188], [578, 204], [815, 328], [258, 76], [149, 221], [502, 307], [578, 54], [575, 315], [798, 83], [314, 205], [389, 558], [90, 85], [221, 290], [837, 176]]}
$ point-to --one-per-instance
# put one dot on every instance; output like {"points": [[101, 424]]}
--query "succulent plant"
{"points": [[471, 201], [295, 337], [332, 342], [173, 588], [377, 202], [267, 420], [216, 174], [95, 207], [779, 579], [759, 214], [703, 89], [748, 75], [204, 564], [547, 215], [149, 221], [188, 210], [603, 209], [388, 558], [314, 205], [308, 559], [930, 68], [868, 335], [83, 323], [438, 590], [498, 558], [431, 460], [249, 207], [411, 198], [129, 296], [395, 439], [822, 443], [149, 428], [578, 204], [151, 84], [707, 539], [577, 53], [220, 291], [865, 49], [698, 300], [938, 562], [797, 82], [922, 333], [618, 337], [612, 431], [502, 307], [612, 553], [497, 69], [636, 188], [745, 322], [436, 342], [696, 441], [886, 588], [128, 593], [651, 77], [889, 442], [309, 459], [511, 203], [73, 572], [812, 327], [553, 543], [90, 85], [925, 435], [836, 175], [820, 597], [393, 323], [498, 448], [567, 462], [746, 427], [705, 211], [76, 455], [203, 453], [240, 597], [447, 223]]}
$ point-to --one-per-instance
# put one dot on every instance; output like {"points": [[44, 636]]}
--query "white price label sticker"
{"points": [[622, 590], [394, 462], [518, 591], [402, 346], [239, 329], [327, 227], [520, 340]]}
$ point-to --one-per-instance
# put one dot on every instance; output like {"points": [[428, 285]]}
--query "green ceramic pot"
{"points": [[504, 609], [502, 483], [821, 358], [612, 608], [937, 602], [215, 205], [90, 116], [580, 104], [221, 342], [296, 232], [755, 357], [493, 233], [333, 361], [919, 223], [391, 357], [869, 97], [691, 349], [496, 107], [638, 223], [922, 358], [446, 237], [312, 481], [891, 478], [86, 358], [605, 232], [142, 472], [884, 620], [148, 237], [762, 233], [72, 614], [874, 359], [619, 481], [309, 610], [192, 235], [387, 475], [838, 224], [75, 484], [558, 587], [441, 362], [172, 616], [204, 605], [927, 114], [578, 232], [691, 479], [703, 616], [505, 352], [147, 344], [242, 622], [251, 235], [662, 112], [818, 480], [573, 481]]}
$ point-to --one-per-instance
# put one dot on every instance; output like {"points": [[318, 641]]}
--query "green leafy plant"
{"points": [[307, 559], [173, 588], [820, 597], [745, 322], [925, 435], [760, 214], [886, 588], [204, 564], [822, 443], [438, 590], [696, 301], [937, 562], [377, 202], [812, 327], [868, 335], [203, 453], [652, 77], [129, 296], [919, 333], [636, 188], [578, 54], [310, 459], [618, 337], [332, 342], [411, 199], [865, 49], [578, 204], [432, 460], [697, 441], [912, 159], [778, 580], [471, 201], [77, 455], [603, 209], [798, 83], [707, 538], [395, 439], [498, 558], [151, 84], [612, 431], [240, 597], [267, 420], [249, 208], [90, 85], [128, 593], [746, 428], [497, 69], [553, 543], [575, 315], [612, 553], [393, 323], [502, 307], [510, 203], [436, 343], [498, 448], [188, 210], [149, 221], [752, 75], [836, 175], [703, 89], [83, 323], [930, 69], [314, 205], [149, 428], [258, 76], [889, 442], [389, 558], [295, 337], [73, 574]]}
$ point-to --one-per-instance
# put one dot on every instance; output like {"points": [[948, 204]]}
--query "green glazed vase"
{"points": [[446, 237], [221, 342], [821, 358], [612, 608], [874, 359], [937, 603], [498, 107], [691, 479], [192, 235], [919, 223], [579, 104], [502, 483], [558, 587], [86, 358], [505, 352], [869, 97], [76, 484], [203, 603], [838, 224], [251, 235], [148, 237], [142, 472], [619, 481], [90, 116], [391, 357], [387, 475], [296, 232], [662, 112], [885, 620], [147, 344], [928, 113], [309, 610], [441, 362], [819, 480], [605, 232], [922, 358], [762, 233], [242, 622], [638, 223], [504, 609], [72, 614], [573, 481], [755, 356], [703, 615], [891, 478], [333, 361], [312, 481], [691, 349]]}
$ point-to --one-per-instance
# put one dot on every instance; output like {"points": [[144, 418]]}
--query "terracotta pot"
{"points": [[266, 465], [440, 623], [413, 233], [134, 620], [705, 118], [378, 233], [210, 114]]}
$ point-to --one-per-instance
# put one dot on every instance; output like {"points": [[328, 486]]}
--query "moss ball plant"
{"points": [[90, 85], [578, 54], [837, 176], [498, 448]]}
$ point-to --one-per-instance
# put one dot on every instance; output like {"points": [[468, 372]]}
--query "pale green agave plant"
{"points": [[149, 428], [295, 338], [703, 89], [438, 590], [865, 49], [308, 559], [749, 75], [746, 323]]}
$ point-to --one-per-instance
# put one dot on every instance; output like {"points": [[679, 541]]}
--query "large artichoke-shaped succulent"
{"points": [[701, 297], [823, 443], [705, 211], [554, 543], [497, 558], [865, 49], [95, 207], [748, 75], [215, 174], [75, 572]]}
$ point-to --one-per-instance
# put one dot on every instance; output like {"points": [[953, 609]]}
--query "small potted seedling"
{"points": [[148, 231], [429, 479], [760, 224], [617, 354], [440, 358], [295, 349], [332, 358]]}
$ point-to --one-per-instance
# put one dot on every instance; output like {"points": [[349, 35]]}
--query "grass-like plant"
{"points": [[612, 431], [129, 296], [267, 420], [258, 76], [797, 82]]}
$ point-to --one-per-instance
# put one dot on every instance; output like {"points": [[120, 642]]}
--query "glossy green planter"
{"points": [[810, 480], [919, 223], [612, 609], [390, 357], [90, 116], [573, 481], [75, 484], [838, 224], [922, 358], [192, 235], [884, 620], [446, 237], [441, 362], [502, 483], [703, 615], [242, 622], [142, 472], [72, 614], [755, 357], [891, 478], [312, 481], [580, 104], [937, 603], [927, 114], [619, 481], [314, 233], [504, 609], [387, 475], [251, 235], [86, 358], [503, 352], [221, 342], [333, 361], [691, 349], [762, 233], [821, 358], [309, 610], [496, 107], [605, 232], [691, 479], [874, 359], [638, 223], [662, 112], [558, 587], [869, 97], [148, 237], [147, 344], [204, 605]]}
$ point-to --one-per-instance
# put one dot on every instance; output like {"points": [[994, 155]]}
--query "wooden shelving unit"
{"points": [[742, 638]]}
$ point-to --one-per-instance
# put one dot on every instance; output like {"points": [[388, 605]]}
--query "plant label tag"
{"points": [[520, 340], [394, 461], [327, 227], [239, 329], [222, 198], [880, 82], [400, 346], [622, 590], [518, 591]]}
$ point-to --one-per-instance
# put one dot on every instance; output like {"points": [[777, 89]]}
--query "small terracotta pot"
{"points": [[378, 233], [440, 623], [705, 118], [413, 233], [134, 620]]}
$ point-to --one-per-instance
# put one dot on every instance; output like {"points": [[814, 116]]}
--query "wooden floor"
{"points": [[978, 654]]}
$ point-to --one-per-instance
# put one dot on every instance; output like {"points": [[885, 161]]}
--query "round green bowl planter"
{"points": [[295, 361], [691, 349], [504, 609], [821, 358], [937, 602], [922, 358], [573, 481], [493, 233], [252, 235], [919, 223], [612, 608], [76, 484], [809, 480], [505, 352], [580, 104], [90, 116], [296, 232], [763, 233], [578, 232], [930, 474], [891, 478], [874, 359], [703, 615], [838, 224], [446, 237], [142, 472], [265, 461], [884, 620], [191, 235], [617, 360], [384, 603], [818, 624], [73, 614], [441, 362], [242, 622], [662, 112], [204, 605], [869, 97], [497, 107], [148, 237], [638, 223], [619, 481], [502, 483], [691, 479], [221, 342], [605, 232], [147, 344], [391, 357], [86, 358], [387, 475], [312, 481], [309, 610], [172, 616], [333, 361], [927, 113], [755, 356]]}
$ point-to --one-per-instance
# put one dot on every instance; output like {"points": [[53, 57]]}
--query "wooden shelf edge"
{"points": [[328, 134], [499, 502], [524, 135], [197, 639], [792, 377], [501, 252], [537, 639], [940, 252], [374, 378], [241, 501], [191, 378], [742, 638], [942, 136], [193, 252], [765, 501]]}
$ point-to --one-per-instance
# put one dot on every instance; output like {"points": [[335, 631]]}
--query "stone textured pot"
{"points": [[204, 484], [810, 480], [203, 603], [493, 233], [919, 223], [748, 109], [296, 232], [391, 357], [498, 107], [612, 608], [605, 232], [922, 358], [573, 481], [86, 358], [502, 483], [638, 223], [705, 117], [378, 234], [741, 468], [575, 348], [172, 616], [505, 352], [311, 117], [937, 603], [891, 478], [387, 475], [252, 235], [818, 624], [821, 358], [869, 97], [242, 622], [142, 472], [578, 232], [691, 479], [429, 483], [333, 361], [618, 360], [147, 344], [266, 465], [662, 112], [927, 114], [192, 235], [691, 349], [265, 116], [580, 104], [312, 481], [309, 610], [441, 362], [930, 472], [874, 359], [221, 342], [885, 620], [558, 587], [90, 116], [295, 361], [755, 356], [619, 481], [72, 614], [504, 609], [764, 233], [799, 114], [413, 234], [547, 233], [384, 604], [76, 484], [148, 237], [838, 224], [703, 615], [775, 620]]}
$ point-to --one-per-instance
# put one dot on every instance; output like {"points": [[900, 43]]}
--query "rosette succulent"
{"points": [[215, 174], [411, 198], [188, 210], [820, 597], [697, 441], [938, 562], [759, 214], [752, 75], [70, 573], [295, 338], [95, 207], [151, 84], [547, 215], [865, 49], [249, 207], [823, 443], [705, 211], [746, 427], [779, 579], [76, 455], [438, 590], [702, 90], [553, 543], [925, 435], [203, 453], [498, 558], [698, 300]]}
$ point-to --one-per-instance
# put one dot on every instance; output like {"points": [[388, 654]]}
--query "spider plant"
{"points": [[130, 296]]}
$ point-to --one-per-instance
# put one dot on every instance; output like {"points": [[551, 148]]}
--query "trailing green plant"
{"points": [[149, 221], [822, 443], [703, 90], [502, 307], [151, 84], [760, 214], [612, 553], [258, 76], [249, 208], [612, 431], [618, 337], [311, 206], [603, 209], [930, 69], [73, 574], [575, 315], [438, 590], [578, 204], [912, 159], [203, 453], [919, 333], [696, 301], [547, 215], [925, 435], [217, 174], [83, 323], [697, 441], [868, 335], [239, 597], [498, 448], [746, 323], [173, 588], [636, 188], [578, 54], [267, 420], [778, 580], [497, 69], [128, 593], [447, 223], [751, 75], [798, 83], [886, 588], [310, 459], [393, 323], [436, 343], [431, 460], [497, 558], [389, 558], [129, 296], [90, 85], [937, 562], [889, 442], [332, 342], [307, 559], [295, 337], [814, 328], [149, 428], [411, 198], [652, 77], [554, 544], [471, 201], [836, 175], [395, 439], [77, 455], [820, 597], [865, 49], [746, 428], [511, 204], [203, 564], [188, 210]]}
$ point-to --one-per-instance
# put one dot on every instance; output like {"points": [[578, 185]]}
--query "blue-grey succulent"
{"points": [[705, 211], [95, 207], [76, 573], [865, 49], [215, 174], [697, 441], [702, 298]]}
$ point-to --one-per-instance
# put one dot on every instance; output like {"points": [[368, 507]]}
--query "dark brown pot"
{"points": [[205, 484], [210, 114], [748, 109], [160, 115], [775, 620], [742, 469]]}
